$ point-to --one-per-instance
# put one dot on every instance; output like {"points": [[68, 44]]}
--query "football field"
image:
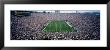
{"points": [[58, 26]]}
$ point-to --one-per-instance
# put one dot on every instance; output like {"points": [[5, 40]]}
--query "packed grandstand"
{"points": [[54, 25]]}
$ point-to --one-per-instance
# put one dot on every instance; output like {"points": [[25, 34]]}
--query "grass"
{"points": [[58, 26]]}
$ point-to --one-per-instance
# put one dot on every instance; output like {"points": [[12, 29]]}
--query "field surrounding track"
{"points": [[58, 26]]}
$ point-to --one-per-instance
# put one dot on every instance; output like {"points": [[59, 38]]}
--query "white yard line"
{"points": [[47, 24], [68, 24], [44, 28]]}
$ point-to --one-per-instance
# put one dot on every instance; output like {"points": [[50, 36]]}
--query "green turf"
{"points": [[58, 26]]}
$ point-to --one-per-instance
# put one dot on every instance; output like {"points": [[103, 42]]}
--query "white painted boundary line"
{"points": [[69, 24], [47, 24]]}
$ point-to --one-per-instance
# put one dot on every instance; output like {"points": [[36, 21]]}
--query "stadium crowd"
{"points": [[30, 27]]}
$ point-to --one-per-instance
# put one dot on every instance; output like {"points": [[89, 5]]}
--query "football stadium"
{"points": [[55, 25]]}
